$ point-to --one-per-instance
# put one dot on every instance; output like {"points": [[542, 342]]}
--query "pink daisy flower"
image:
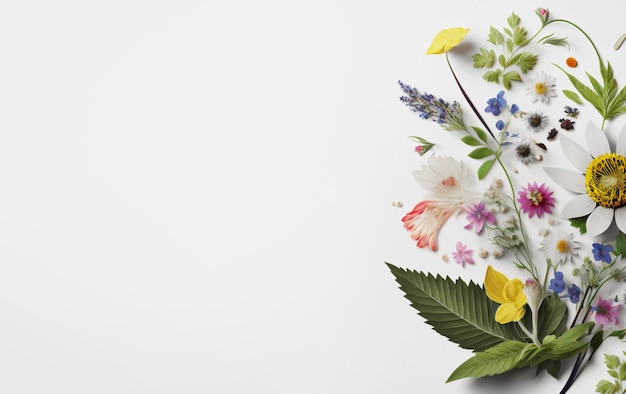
{"points": [[463, 255], [606, 312], [477, 216], [536, 200]]}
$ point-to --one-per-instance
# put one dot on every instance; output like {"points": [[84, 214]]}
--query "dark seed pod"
{"points": [[551, 134]]}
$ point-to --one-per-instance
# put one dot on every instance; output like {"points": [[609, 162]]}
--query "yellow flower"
{"points": [[508, 293], [446, 40]]}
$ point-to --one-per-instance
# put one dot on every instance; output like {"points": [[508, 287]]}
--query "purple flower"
{"points": [[495, 104], [573, 293], [536, 200], [462, 255], [602, 252], [477, 216], [557, 284], [606, 312]]}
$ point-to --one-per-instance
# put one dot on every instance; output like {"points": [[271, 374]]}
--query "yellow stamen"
{"points": [[540, 88], [605, 180], [562, 246]]}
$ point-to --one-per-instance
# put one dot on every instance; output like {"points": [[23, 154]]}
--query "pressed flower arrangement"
{"points": [[565, 299]]}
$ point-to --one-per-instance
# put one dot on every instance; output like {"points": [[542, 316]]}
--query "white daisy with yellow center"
{"points": [[600, 180], [542, 89]]}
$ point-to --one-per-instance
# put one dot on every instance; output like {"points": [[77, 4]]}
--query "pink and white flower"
{"points": [[449, 185]]}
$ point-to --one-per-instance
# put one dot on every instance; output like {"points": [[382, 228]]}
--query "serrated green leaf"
{"points": [[606, 387], [509, 77], [492, 76], [552, 317], [471, 141], [501, 358], [513, 60], [613, 374], [486, 58], [481, 153], [611, 361], [620, 244], [513, 20], [586, 92], [510, 45], [519, 36], [527, 61], [495, 37], [459, 311], [599, 89], [570, 94], [508, 32], [579, 223], [484, 168], [622, 371]]}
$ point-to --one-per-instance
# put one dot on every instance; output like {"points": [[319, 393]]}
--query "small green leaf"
{"points": [[611, 361], [481, 153], [519, 36], [620, 244], [510, 76], [486, 58], [513, 20], [471, 141], [480, 133], [484, 168], [606, 387], [513, 60], [492, 76], [495, 37], [570, 94], [502, 60], [579, 223], [527, 61]]}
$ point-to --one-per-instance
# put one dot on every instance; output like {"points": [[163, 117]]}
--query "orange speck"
{"points": [[570, 61]]}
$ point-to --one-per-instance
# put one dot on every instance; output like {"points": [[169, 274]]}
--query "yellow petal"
{"points": [[507, 313], [514, 292], [494, 285], [446, 40]]}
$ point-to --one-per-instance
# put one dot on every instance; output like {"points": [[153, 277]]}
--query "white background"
{"points": [[196, 195]]}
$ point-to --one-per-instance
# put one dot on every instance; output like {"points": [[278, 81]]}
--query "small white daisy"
{"points": [[536, 121], [560, 247], [542, 89]]}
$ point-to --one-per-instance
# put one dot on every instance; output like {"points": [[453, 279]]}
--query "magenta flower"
{"points": [[606, 312], [463, 255], [477, 216], [536, 200]]}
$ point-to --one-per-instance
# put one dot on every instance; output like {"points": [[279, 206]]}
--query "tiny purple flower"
{"points": [[477, 216], [463, 255], [500, 125], [514, 109], [573, 293]]}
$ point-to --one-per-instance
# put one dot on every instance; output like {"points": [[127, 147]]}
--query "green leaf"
{"points": [[552, 366], [471, 141], [484, 168], [513, 20], [551, 40], [570, 94], [606, 387], [459, 311], [527, 61], [579, 223], [495, 37], [552, 317], [510, 76], [513, 60], [585, 91], [510, 45], [620, 244], [496, 360], [519, 36], [481, 153], [486, 58], [611, 361], [502, 60], [480, 133], [492, 76]]}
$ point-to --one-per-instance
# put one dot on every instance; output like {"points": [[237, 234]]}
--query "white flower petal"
{"points": [[596, 140], [599, 220], [578, 206], [571, 180], [620, 219], [578, 156], [621, 142]]}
